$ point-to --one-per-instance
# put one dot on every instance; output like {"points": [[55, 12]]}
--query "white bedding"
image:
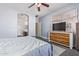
{"points": [[19, 46]]}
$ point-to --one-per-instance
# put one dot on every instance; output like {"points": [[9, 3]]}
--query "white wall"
{"points": [[46, 21], [32, 21], [8, 22], [45, 25]]}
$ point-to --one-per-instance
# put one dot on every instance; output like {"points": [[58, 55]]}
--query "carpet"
{"points": [[70, 52], [57, 50]]}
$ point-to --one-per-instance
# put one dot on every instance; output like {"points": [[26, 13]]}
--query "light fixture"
{"points": [[38, 4]]}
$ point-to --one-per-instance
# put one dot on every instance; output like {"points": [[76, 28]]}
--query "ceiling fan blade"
{"points": [[45, 4], [38, 8], [31, 5]]}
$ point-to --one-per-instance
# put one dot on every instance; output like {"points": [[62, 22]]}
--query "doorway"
{"points": [[23, 25], [38, 29]]}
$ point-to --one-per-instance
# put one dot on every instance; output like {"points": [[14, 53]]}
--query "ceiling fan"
{"points": [[39, 5]]}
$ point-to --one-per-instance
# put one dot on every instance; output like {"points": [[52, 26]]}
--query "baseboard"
{"points": [[44, 37]]}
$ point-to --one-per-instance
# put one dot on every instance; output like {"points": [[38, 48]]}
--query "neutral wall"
{"points": [[46, 20], [8, 22], [32, 21], [45, 25]]}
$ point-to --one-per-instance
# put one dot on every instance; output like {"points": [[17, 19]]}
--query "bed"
{"points": [[24, 46]]}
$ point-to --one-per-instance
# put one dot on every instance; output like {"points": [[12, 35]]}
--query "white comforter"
{"points": [[19, 46]]}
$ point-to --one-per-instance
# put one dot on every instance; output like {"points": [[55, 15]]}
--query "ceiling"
{"points": [[33, 10]]}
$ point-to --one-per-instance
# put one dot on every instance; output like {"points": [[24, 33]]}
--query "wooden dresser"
{"points": [[62, 38]]}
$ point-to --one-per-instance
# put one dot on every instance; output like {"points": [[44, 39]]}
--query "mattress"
{"points": [[19, 46]]}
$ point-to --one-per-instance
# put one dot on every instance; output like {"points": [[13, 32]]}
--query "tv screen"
{"points": [[59, 26]]}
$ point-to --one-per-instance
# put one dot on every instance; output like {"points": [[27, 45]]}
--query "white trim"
{"points": [[44, 37], [71, 41]]}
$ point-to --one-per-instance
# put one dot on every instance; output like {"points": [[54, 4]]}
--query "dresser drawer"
{"points": [[60, 38]]}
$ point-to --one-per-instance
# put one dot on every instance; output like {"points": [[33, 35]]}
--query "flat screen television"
{"points": [[59, 26]]}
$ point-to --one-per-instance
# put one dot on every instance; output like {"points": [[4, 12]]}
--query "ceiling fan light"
{"points": [[38, 4]]}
